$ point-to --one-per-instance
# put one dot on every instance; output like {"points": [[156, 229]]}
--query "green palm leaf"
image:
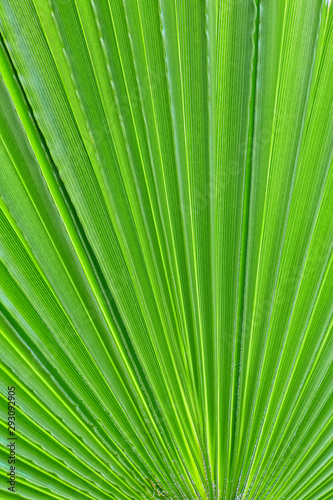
{"points": [[166, 249]]}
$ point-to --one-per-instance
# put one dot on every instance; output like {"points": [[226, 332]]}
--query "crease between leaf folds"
{"points": [[166, 248]]}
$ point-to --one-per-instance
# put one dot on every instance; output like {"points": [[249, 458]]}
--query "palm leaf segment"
{"points": [[166, 248]]}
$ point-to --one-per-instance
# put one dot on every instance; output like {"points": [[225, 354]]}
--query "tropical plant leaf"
{"points": [[166, 267]]}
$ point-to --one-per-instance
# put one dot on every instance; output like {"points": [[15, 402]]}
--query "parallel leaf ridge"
{"points": [[166, 235]]}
